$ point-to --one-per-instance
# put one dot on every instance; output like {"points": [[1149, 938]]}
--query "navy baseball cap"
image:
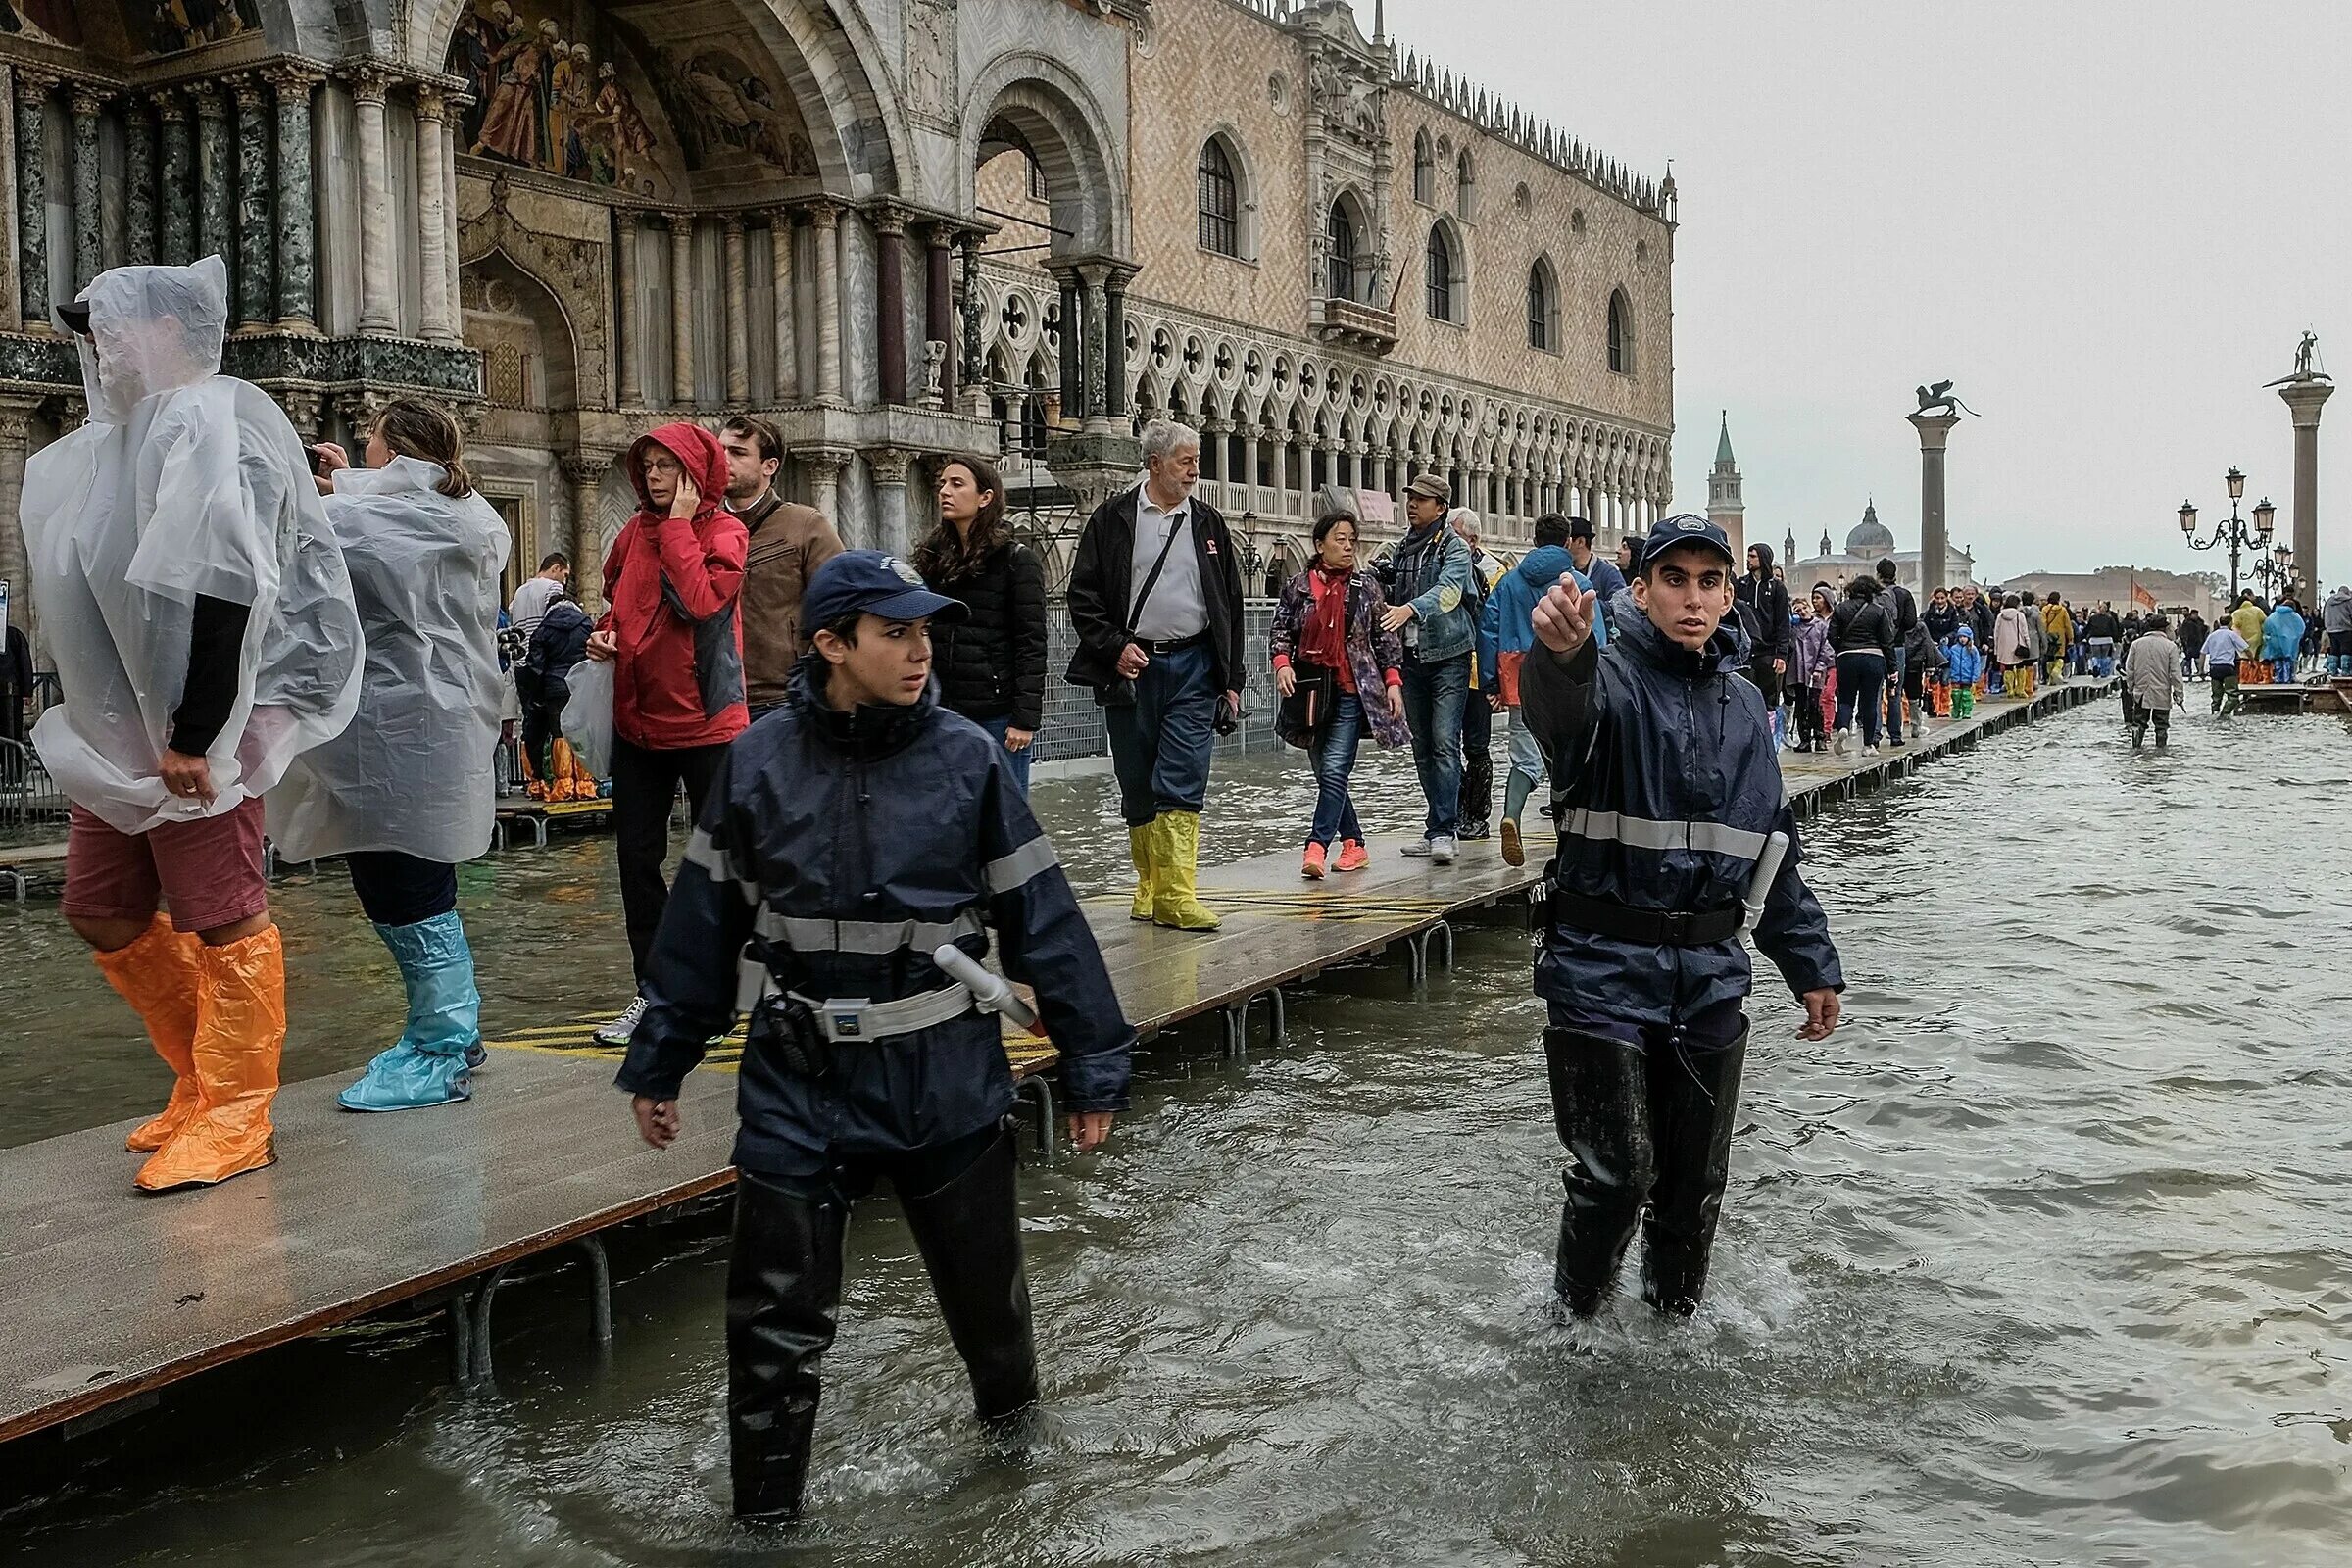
{"points": [[1686, 528], [869, 583]]}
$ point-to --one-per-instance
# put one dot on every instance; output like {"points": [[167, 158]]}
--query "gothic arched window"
{"points": [[1621, 334], [1425, 169], [1339, 281], [1439, 281], [1220, 200]]}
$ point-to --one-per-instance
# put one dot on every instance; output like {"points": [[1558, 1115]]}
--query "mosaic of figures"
{"points": [[41, 22], [563, 105], [547, 102], [166, 26]]}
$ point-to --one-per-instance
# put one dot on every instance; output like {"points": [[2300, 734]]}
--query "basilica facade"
{"points": [[898, 228]]}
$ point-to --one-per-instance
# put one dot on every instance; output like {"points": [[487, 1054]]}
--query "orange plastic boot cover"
{"points": [[157, 976], [240, 1030]]}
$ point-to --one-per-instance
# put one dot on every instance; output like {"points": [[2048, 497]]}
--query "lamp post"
{"points": [[2233, 533]]}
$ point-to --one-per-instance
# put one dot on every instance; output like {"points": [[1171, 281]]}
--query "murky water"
{"points": [[2041, 1259]]}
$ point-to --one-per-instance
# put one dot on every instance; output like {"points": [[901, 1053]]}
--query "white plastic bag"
{"points": [[588, 716]]}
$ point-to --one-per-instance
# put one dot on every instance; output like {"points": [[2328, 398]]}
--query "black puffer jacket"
{"points": [[993, 665], [1860, 625]]}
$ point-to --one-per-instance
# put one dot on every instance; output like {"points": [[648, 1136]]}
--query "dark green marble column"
{"points": [[138, 173], [87, 258], [297, 248], [33, 197], [178, 193], [254, 216], [215, 172]]}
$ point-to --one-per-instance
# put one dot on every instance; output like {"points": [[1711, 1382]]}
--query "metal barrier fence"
{"points": [[28, 794]]}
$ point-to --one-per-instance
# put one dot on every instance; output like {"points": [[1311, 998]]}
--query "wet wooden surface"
{"points": [[104, 1293]]}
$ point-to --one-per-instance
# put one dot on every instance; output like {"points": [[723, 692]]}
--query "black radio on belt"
{"points": [[787, 1026]]}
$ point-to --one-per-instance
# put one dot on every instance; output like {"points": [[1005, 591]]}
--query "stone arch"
{"points": [[570, 273], [828, 60], [1028, 100]]}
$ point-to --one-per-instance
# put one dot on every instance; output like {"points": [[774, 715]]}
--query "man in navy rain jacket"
{"points": [[1667, 786], [851, 833]]}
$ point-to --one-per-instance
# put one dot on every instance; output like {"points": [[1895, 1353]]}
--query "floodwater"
{"points": [[2040, 1259]]}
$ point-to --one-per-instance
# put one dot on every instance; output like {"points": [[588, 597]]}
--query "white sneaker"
{"points": [[1838, 745], [1869, 751], [618, 1032], [1418, 850], [1441, 849]]}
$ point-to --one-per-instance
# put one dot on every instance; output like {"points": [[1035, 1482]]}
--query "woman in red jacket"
{"points": [[672, 581]]}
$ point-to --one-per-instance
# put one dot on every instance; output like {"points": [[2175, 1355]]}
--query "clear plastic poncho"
{"points": [[183, 482], [416, 769]]}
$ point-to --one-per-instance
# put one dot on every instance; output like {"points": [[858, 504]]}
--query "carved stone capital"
{"points": [[209, 104], [890, 221], [88, 100], [679, 222], [292, 75], [34, 87], [247, 91], [825, 212], [890, 464], [731, 224], [432, 104], [370, 83], [586, 466], [824, 463], [16, 431]]}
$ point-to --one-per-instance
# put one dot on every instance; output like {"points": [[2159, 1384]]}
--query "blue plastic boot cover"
{"points": [[429, 1066]]}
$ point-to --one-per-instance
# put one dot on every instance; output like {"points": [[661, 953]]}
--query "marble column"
{"points": [[1114, 344], [975, 351], [1073, 374], [216, 179], [254, 308], [939, 302], [380, 316], [33, 198], [139, 176], [585, 472], [739, 309], [825, 218], [824, 464], [890, 466], [2304, 398], [1249, 470], [681, 309], [1092, 345], [436, 224], [890, 303], [1934, 531], [628, 325], [15, 433], [88, 261], [176, 246], [788, 343]]}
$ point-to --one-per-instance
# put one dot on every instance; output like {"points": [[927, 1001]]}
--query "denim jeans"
{"points": [[1018, 761], [1433, 697], [1160, 743], [1895, 691], [1334, 758], [1859, 677]]}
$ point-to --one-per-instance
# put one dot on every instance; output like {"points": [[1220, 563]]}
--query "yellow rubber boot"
{"points": [[1141, 843], [1176, 854], [157, 976], [240, 1029]]}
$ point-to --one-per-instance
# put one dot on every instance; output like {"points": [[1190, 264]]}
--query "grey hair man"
{"points": [[1155, 599]]}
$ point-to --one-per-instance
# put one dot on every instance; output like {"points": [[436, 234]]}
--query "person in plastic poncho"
{"points": [[205, 636], [410, 789]]}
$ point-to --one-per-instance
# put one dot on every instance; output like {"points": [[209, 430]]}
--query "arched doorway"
{"points": [[530, 389]]}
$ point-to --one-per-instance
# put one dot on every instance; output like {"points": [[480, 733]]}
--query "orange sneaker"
{"points": [[1312, 866], [1352, 856]]}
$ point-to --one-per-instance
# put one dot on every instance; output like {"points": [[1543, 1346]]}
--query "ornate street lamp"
{"points": [[2235, 535]]}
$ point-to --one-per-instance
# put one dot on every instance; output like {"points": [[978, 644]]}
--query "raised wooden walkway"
{"points": [[106, 1295]]}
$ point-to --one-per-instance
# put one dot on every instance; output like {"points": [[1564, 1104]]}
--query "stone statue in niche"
{"points": [[931, 62]]}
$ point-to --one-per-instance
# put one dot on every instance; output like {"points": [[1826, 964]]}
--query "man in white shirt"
{"points": [[1155, 599], [2224, 648], [530, 602]]}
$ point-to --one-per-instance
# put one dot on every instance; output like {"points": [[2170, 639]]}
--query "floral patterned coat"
{"points": [[1371, 652]]}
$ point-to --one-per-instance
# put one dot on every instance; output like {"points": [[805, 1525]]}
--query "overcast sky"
{"points": [[2108, 222]]}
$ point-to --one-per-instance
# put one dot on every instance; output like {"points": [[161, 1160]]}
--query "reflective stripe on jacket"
{"points": [[1669, 785], [836, 852]]}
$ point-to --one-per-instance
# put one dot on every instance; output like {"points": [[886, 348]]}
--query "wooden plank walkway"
{"points": [[104, 1296]]}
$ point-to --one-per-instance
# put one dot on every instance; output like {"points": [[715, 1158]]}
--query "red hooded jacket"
{"points": [[672, 584]]}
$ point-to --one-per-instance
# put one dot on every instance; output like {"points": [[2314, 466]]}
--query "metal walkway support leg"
{"points": [[1235, 1019], [470, 1322], [1038, 1088], [1277, 1025]]}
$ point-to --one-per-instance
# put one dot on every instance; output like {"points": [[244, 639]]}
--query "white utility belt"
{"points": [[853, 1020]]}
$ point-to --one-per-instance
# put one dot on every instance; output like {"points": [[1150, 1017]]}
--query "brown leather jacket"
{"points": [[788, 544]]}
